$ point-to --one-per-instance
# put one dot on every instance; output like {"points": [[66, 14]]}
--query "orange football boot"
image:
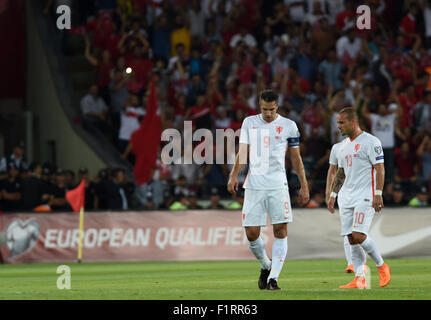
{"points": [[350, 269], [384, 274], [356, 283]]}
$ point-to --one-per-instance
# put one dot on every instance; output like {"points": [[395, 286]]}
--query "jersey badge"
{"points": [[357, 146], [278, 129]]}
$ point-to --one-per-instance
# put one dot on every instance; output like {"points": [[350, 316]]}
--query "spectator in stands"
{"points": [[424, 154], [348, 47], [58, 200], [168, 199], [100, 188], [90, 188], [69, 179], [421, 197], [215, 199], [117, 193], [11, 188], [395, 195], [296, 9], [103, 66], [119, 93], [196, 16], [317, 93], [315, 12], [331, 70], [422, 113], [141, 64], [94, 110], [216, 175], [195, 88], [384, 123], [280, 60], [238, 117], [193, 201], [178, 68], [407, 99], [180, 34], [197, 62], [313, 117], [408, 27], [222, 120], [323, 38], [406, 167], [200, 113], [306, 62], [47, 185], [344, 17], [17, 157], [298, 89], [131, 115], [161, 45], [192, 173], [243, 37]]}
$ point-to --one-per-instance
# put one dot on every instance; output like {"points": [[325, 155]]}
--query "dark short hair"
{"points": [[268, 96]]}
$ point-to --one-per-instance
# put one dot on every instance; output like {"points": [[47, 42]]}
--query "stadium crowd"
{"points": [[210, 60]]}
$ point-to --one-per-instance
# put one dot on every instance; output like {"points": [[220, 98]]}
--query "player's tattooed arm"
{"points": [[339, 180]]}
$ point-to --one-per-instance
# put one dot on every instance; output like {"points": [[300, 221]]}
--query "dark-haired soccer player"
{"points": [[265, 138], [359, 183]]}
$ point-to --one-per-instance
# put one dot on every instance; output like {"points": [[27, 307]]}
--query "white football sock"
{"points": [[347, 250], [279, 253], [258, 249], [370, 247], [358, 258]]}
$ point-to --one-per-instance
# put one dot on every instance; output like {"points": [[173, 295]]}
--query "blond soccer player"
{"points": [[358, 184], [333, 166]]}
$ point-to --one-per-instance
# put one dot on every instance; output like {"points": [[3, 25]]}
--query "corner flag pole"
{"points": [[81, 231]]}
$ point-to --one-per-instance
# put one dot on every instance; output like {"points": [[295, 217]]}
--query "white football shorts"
{"points": [[356, 219], [258, 204]]}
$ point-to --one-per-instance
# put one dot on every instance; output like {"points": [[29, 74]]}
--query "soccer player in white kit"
{"points": [[264, 139], [359, 183], [333, 166]]}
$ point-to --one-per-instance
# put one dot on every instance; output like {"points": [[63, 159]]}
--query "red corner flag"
{"points": [[146, 140], [76, 197]]}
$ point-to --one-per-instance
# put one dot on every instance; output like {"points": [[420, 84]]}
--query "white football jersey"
{"points": [[334, 158], [268, 142], [358, 158]]}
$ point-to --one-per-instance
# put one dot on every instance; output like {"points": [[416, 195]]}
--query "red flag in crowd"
{"points": [[146, 140], [76, 197]]}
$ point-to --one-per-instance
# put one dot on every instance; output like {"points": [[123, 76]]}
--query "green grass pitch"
{"points": [[211, 280]]}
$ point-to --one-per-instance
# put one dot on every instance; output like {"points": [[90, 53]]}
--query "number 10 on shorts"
{"points": [[359, 218], [287, 210]]}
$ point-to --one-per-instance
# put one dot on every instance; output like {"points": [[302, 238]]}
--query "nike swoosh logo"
{"points": [[388, 244]]}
